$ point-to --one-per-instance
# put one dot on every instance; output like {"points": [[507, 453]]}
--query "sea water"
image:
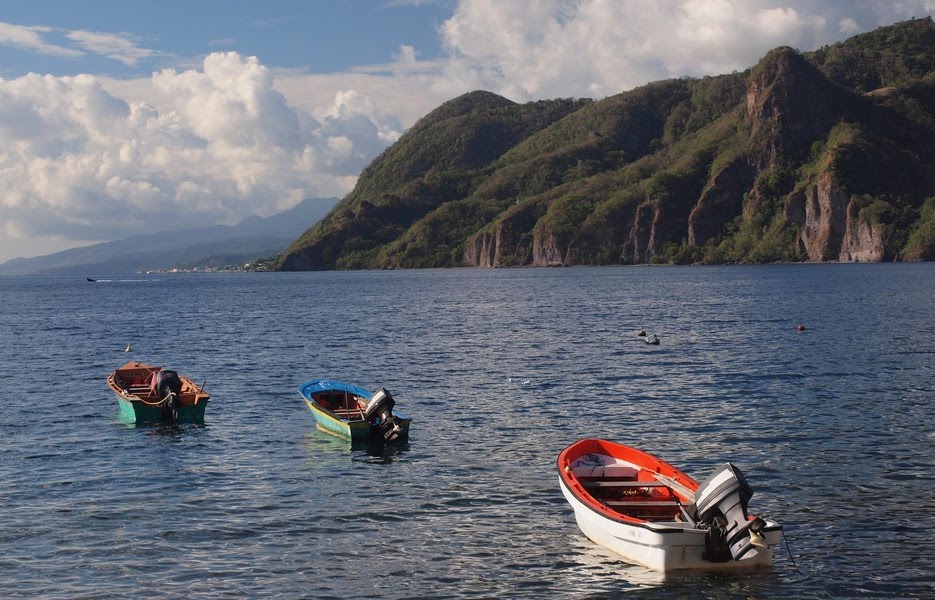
{"points": [[500, 370]]}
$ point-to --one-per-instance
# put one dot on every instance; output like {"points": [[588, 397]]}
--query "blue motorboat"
{"points": [[353, 413]]}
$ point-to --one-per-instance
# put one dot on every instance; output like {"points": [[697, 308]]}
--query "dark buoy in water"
{"points": [[800, 327]]}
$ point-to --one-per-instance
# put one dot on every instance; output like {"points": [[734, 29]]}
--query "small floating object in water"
{"points": [[91, 279], [652, 339], [526, 382], [800, 327], [128, 348], [642, 333]]}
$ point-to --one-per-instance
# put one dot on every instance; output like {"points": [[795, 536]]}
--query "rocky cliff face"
{"points": [[825, 219], [862, 242], [508, 239], [831, 228], [547, 250], [721, 200], [484, 249], [639, 245]]}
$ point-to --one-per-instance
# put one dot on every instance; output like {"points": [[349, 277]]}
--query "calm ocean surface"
{"points": [[500, 370]]}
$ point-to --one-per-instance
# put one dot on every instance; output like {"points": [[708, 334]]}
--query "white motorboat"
{"points": [[651, 513]]}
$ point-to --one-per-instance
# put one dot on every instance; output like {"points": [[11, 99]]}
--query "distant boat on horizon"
{"points": [[90, 279]]}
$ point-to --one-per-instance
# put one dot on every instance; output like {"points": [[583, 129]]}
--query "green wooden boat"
{"points": [[149, 394], [354, 414]]}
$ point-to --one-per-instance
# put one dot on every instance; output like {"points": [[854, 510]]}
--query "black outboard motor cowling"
{"points": [[168, 388], [721, 504], [379, 413]]}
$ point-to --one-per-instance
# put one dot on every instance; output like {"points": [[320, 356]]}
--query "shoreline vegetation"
{"points": [[269, 267]]}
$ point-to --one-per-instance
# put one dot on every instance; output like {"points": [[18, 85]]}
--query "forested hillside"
{"points": [[820, 156]]}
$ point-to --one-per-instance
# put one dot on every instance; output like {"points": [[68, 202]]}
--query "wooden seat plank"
{"points": [[633, 484], [640, 503]]}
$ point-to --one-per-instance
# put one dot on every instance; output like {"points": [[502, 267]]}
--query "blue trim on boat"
{"points": [[324, 385]]}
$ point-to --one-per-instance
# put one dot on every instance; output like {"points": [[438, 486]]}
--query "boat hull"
{"points": [[354, 430], [661, 544], [135, 412]]}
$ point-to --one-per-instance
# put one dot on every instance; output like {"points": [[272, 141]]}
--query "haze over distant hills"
{"points": [[820, 156], [252, 238]]}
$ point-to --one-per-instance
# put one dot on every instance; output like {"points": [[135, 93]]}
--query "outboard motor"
{"points": [[379, 414], [168, 387], [721, 504]]}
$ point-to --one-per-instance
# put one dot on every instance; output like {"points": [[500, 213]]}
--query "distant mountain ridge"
{"points": [[252, 238], [818, 156]]}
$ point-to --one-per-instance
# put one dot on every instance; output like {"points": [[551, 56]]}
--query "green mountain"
{"points": [[820, 156]]}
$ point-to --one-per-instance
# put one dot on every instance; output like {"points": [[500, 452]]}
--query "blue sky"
{"points": [[120, 117], [322, 37]]}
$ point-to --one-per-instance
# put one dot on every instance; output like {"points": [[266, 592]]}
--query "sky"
{"points": [[129, 117]]}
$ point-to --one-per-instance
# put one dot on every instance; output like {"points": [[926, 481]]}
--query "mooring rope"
{"points": [[783, 531], [157, 403]]}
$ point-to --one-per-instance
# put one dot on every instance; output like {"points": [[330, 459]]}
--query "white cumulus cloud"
{"points": [[78, 162], [595, 48]]}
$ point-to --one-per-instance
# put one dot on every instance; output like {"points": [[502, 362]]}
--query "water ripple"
{"points": [[500, 370]]}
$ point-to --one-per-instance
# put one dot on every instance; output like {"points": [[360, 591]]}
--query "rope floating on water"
{"points": [[783, 531]]}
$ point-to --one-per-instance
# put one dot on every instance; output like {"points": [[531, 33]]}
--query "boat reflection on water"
{"points": [[325, 448], [599, 565], [166, 430], [172, 432], [379, 453]]}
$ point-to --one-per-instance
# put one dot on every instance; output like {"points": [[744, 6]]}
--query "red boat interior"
{"points": [[346, 406], [626, 480], [137, 381], [631, 496]]}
